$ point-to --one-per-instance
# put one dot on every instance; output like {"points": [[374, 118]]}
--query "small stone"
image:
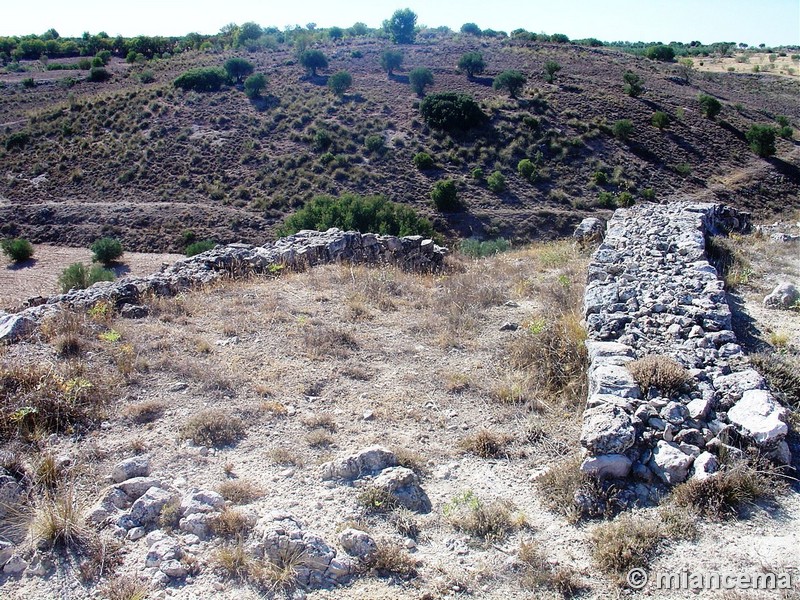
{"points": [[705, 465], [607, 465], [785, 296], [136, 466], [509, 326], [358, 543], [670, 463], [15, 565], [368, 415], [136, 486], [759, 416], [178, 386], [174, 569], [135, 534]]}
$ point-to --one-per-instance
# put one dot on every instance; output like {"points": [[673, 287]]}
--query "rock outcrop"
{"points": [[652, 291]]}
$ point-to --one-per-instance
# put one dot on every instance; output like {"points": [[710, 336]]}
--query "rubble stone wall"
{"points": [[652, 291], [303, 249]]}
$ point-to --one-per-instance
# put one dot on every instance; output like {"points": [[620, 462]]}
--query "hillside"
{"points": [[145, 162]]}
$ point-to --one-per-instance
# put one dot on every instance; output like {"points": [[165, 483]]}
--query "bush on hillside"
{"points": [[17, 140], [17, 249], [423, 161], [512, 81], [340, 82], [350, 212], [99, 74], [472, 63], [451, 111], [445, 196], [391, 60], [203, 79], [238, 68], [761, 139], [496, 182], [660, 52], [254, 85], [709, 105], [634, 84], [419, 79], [313, 60], [106, 250]]}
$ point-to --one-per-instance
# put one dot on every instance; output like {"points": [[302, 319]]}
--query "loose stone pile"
{"points": [[298, 251], [652, 291]]}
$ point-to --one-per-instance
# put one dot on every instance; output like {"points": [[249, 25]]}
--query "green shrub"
{"points": [[477, 174], [634, 84], [496, 182], [531, 122], [445, 196], [660, 119], [419, 79], [761, 139], [660, 52], [478, 249], [98, 74], [77, 276], [28, 82], [512, 81], [786, 133], [370, 214], [340, 82], [374, 142], [238, 68], [472, 63], [471, 29], [17, 249], [551, 67], [451, 111], [391, 60], [625, 199], [423, 161], [606, 200], [202, 79], [322, 140], [199, 247], [600, 177], [147, 77], [709, 105], [526, 169], [254, 85], [648, 194], [622, 129], [17, 141], [106, 250], [313, 60]]}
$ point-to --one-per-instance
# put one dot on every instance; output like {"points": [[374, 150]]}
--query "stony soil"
{"points": [[350, 357]]}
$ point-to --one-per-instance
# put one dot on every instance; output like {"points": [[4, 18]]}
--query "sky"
{"points": [[771, 22]]}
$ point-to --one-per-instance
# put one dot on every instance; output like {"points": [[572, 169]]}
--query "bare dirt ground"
{"points": [[783, 66], [39, 275], [321, 364]]}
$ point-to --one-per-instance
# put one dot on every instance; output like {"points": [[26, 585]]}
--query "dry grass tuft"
{"points": [[319, 438], [727, 492], [232, 562], [279, 574], [391, 559], [230, 523], [277, 409], [37, 398], [47, 472], [411, 459], [145, 412], [662, 372], [284, 456], [213, 427], [320, 421], [58, 520], [240, 491], [376, 500], [323, 341], [536, 572], [782, 372], [489, 521], [486, 443], [125, 587], [625, 543], [405, 522]]}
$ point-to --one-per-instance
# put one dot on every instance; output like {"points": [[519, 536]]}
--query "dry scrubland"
{"points": [[249, 386]]}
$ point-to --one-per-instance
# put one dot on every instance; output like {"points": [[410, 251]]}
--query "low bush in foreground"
{"points": [[77, 276], [213, 427], [203, 79], [478, 249], [106, 250], [199, 247]]}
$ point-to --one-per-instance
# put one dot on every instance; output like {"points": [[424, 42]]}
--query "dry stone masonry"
{"points": [[298, 251], [652, 291]]}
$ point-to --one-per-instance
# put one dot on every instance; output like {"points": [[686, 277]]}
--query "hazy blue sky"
{"points": [[773, 22]]}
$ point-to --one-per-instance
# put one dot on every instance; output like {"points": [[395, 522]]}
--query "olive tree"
{"points": [[511, 81], [391, 60], [419, 79], [313, 60], [472, 63]]}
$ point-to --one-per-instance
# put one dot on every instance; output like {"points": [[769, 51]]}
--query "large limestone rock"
{"points": [[760, 417], [607, 429], [589, 231], [14, 327], [147, 509], [607, 465], [136, 466], [403, 485], [784, 296], [366, 462], [670, 463], [358, 543]]}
